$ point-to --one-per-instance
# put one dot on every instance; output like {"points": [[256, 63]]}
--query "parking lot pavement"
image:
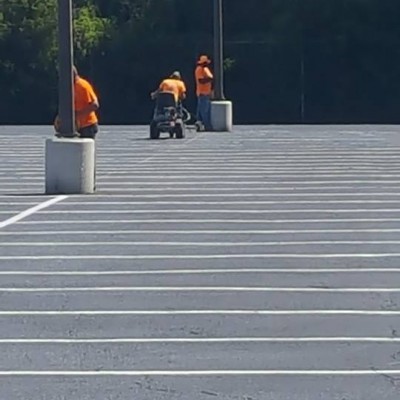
{"points": [[259, 264]]}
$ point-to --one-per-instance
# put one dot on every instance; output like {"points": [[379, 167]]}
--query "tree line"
{"points": [[286, 61]]}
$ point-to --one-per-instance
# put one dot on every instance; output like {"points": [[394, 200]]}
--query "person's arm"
{"points": [[182, 94], [94, 106], [207, 78], [93, 103]]}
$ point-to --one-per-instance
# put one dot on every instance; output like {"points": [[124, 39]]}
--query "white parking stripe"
{"points": [[197, 257], [197, 289], [204, 271], [310, 372], [226, 202], [116, 313], [204, 340], [220, 211], [31, 211], [197, 232], [211, 221], [200, 244]]}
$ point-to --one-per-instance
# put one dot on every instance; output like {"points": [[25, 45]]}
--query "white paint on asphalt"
{"points": [[219, 211], [117, 313], [200, 244], [211, 221], [195, 271], [203, 340], [196, 232], [197, 257], [31, 211], [214, 195], [228, 202], [309, 372], [189, 288]]}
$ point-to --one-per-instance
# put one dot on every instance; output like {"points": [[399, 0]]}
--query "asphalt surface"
{"points": [[259, 264]]}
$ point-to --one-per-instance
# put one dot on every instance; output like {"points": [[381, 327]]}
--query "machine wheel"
{"points": [[154, 132], [180, 131]]}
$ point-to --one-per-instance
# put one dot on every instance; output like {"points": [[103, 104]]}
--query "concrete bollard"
{"points": [[221, 116], [70, 166]]}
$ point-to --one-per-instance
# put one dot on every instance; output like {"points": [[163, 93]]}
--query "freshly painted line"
{"points": [[229, 202], [200, 244], [197, 232], [248, 176], [205, 340], [261, 188], [21, 203], [233, 195], [250, 195], [195, 257], [139, 176], [56, 313], [258, 169], [246, 182], [211, 221], [317, 372], [204, 271], [219, 211], [32, 211], [197, 289]]}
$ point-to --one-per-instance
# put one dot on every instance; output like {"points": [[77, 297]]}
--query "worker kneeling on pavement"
{"points": [[86, 104]]}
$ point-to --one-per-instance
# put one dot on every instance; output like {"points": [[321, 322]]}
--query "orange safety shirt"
{"points": [[174, 86], [203, 88], [84, 96]]}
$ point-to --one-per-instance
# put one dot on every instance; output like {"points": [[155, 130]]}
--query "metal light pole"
{"points": [[65, 60], [70, 161], [218, 51]]}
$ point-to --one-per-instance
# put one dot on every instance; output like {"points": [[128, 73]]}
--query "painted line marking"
{"points": [[219, 211], [211, 221], [371, 372], [246, 182], [245, 175], [212, 195], [113, 313], [228, 202], [204, 271], [205, 340], [197, 232], [196, 257], [31, 211], [198, 289], [200, 244]]}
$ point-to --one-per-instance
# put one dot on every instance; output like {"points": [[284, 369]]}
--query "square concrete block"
{"points": [[221, 116], [70, 166]]}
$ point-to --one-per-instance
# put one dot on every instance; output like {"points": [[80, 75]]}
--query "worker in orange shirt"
{"points": [[86, 105], [204, 89], [174, 84]]}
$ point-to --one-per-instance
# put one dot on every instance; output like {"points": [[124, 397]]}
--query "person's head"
{"points": [[176, 75], [204, 61]]}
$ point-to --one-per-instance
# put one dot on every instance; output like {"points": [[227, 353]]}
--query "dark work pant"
{"points": [[204, 110], [89, 132]]}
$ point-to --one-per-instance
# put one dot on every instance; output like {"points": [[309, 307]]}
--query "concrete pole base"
{"points": [[221, 116], [70, 166]]}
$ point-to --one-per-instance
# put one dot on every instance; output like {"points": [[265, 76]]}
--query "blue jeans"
{"points": [[204, 110]]}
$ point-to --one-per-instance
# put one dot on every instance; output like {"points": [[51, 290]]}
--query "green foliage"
{"points": [[89, 29], [350, 50]]}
